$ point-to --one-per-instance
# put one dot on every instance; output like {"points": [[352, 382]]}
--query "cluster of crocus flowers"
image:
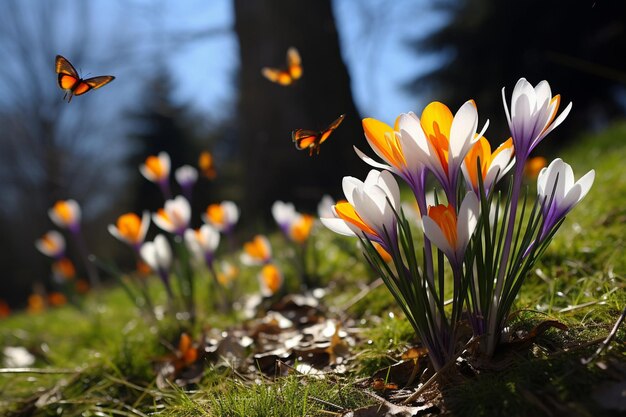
{"points": [[443, 145]]}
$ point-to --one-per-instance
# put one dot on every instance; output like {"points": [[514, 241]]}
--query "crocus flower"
{"points": [[203, 242], [186, 177], [449, 140], [399, 151], [51, 244], [57, 299], [325, 206], [257, 252], [63, 270], [300, 228], [223, 216], [36, 304], [270, 280], [174, 217], [559, 193], [284, 215], [369, 209], [131, 229], [493, 166], [449, 232], [157, 254], [206, 165], [157, 170], [66, 215], [532, 115], [227, 274]]}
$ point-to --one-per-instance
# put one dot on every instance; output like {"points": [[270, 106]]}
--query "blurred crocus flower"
{"points": [[270, 280], [284, 214], [206, 165], [203, 243], [157, 170], [493, 166], [325, 206], [51, 244], [223, 216], [227, 273], [450, 233], [257, 252], [559, 193], [63, 270], [57, 299], [158, 255], [532, 115], [131, 229], [300, 228], [36, 304], [5, 310], [186, 177], [369, 210], [66, 214], [174, 216]]}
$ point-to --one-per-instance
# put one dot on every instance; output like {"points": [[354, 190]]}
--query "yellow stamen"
{"points": [[445, 217]]}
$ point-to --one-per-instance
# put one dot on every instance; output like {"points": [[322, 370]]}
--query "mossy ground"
{"points": [[100, 357]]}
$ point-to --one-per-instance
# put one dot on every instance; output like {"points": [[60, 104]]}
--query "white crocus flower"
{"points": [[559, 193], [51, 244], [284, 214], [174, 217], [156, 168], [186, 176], [203, 242], [66, 214], [223, 216], [532, 115], [325, 206], [369, 210], [157, 254]]}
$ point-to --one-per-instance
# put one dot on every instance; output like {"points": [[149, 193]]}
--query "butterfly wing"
{"points": [[304, 138], [96, 82], [67, 75], [294, 63], [278, 76], [326, 133]]}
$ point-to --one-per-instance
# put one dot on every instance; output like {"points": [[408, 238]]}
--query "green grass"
{"points": [[108, 348]]}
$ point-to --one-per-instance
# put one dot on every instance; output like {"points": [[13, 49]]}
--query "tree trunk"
{"points": [[268, 112]]}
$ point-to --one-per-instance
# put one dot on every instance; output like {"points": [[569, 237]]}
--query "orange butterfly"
{"points": [[290, 74], [311, 139], [72, 83]]}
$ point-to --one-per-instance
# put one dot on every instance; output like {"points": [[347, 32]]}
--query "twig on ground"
{"points": [[608, 339]]}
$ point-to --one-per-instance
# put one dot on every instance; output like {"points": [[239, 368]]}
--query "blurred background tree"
{"points": [[268, 112], [578, 46]]}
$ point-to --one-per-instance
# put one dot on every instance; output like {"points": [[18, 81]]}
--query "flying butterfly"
{"points": [[311, 139], [286, 76], [70, 81]]}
